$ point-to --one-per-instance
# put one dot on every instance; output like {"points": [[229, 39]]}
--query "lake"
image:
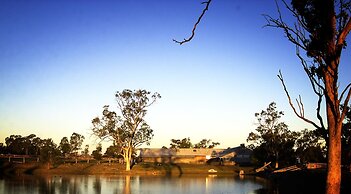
{"points": [[206, 184]]}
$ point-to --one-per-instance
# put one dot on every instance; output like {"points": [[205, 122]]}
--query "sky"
{"points": [[62, 61]]}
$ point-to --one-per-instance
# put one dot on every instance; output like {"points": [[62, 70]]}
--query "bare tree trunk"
{"points": [[333, 181], [126, 189], [127, 157], [334, 160], [127, 164]]}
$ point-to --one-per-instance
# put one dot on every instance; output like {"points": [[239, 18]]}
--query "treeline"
{"points": [[44, 149], [31, 145], [274, 142], [186, 143], [48, 151]]}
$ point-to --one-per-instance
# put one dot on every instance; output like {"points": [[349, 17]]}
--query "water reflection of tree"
{"points": [[46, 186], [97, 185], [85, 182], [126, 189], [74, 186], [64, 185]]}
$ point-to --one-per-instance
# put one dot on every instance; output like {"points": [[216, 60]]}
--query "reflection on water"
{"points": [[129, 184]]}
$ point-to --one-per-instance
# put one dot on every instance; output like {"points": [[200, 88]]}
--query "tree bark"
{"points": [[127, 157], [334, 161], [126, 189], [333, 181], [128, 164]]}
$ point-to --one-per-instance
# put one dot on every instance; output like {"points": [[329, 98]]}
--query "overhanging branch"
{"points": [[195, 26], [301, 110], [346, 102]]}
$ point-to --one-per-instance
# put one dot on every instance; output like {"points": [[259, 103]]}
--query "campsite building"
{"points": [[229, 156]]}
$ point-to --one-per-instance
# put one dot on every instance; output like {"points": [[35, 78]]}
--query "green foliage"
{"points": [[76, 142], [273, 141], [14, 144], [86, 150], [48, 151], [97, 152], [113, 151], [184, 143], [206, 143], [28, 145], [65, 146], [310, 147], [128, 129]]}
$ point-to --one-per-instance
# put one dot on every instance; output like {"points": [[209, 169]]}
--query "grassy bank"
{"points": [[114, 168]]}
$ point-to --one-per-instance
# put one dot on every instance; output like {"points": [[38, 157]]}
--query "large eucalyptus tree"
{"points": [[128, 129]]}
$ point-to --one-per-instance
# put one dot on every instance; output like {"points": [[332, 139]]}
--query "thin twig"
{"points": [[195, 26], [301, 116], [346, 102]]}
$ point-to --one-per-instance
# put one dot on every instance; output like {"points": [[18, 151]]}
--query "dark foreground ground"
{"points": [[303, 182]]}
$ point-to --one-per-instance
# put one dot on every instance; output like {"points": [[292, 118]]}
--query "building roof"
{"points": [[184, 152], [239, 152]]}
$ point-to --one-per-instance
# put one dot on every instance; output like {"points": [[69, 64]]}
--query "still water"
{"points": [[130, 185]]}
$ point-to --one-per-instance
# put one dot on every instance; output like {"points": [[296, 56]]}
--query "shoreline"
{"points": [[313, 181], [152, 169]]}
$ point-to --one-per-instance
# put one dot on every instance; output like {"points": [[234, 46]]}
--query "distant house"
{"points": [[239, 155], [230, 156], [183, 155]]}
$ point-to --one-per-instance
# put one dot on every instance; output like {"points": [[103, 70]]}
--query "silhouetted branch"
{"points": [[197, 22], [346, 28], [301, 109], [345, 90], [300, 105], [346, 102], [295, 35], [317, 87]]}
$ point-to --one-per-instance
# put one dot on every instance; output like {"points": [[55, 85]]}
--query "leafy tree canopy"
{"points": [[186, 143], [128, 129], [272, 137]]}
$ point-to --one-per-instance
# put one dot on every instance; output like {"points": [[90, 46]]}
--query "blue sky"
{"points": [[62, 61]]}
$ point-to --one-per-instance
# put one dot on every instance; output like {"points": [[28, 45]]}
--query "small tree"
{"points": [[48, 151], [86, 150], [15, 144], [184, 143], [97, 153], [273, 137], [129, 130], [310, 147], [113, 151], [206, 143], [76, 142], [64, 146]]}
